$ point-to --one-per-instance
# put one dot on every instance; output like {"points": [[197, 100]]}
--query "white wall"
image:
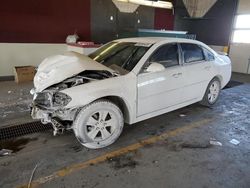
{"points": [[240, 57], [240, 53], [244, 7], [18, 54], [217, 48]]}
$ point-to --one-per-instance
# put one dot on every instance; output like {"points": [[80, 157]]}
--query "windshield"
{"points": [[120, 56]]}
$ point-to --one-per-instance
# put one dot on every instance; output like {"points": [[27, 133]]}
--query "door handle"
{"points": [[176, 75]]}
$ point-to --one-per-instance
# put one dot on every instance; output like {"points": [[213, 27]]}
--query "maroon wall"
{"points": [[164, 19], [45, 21]]}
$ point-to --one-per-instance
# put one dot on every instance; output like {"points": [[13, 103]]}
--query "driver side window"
{"points": [[166, 55]]}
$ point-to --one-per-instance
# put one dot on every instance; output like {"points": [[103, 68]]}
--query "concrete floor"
{"points": [[171, 150], [14, 103], [241, 77]]}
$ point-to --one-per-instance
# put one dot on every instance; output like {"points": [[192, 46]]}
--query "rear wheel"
{"points": [[212, 93], [98, 124]]}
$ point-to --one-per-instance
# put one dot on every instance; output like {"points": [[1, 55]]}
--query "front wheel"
{"points": [[212, 93], [98, 124]]}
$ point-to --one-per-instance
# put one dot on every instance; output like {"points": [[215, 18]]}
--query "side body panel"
{"points": [[187, 89], [198, 76], [195, 80], [159, 90], [122, 86], [224, 67]]}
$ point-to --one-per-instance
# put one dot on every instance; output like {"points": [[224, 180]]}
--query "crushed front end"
{"points": [[49, 105]]}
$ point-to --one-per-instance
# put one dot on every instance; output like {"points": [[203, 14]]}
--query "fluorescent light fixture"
{"points": [[158, 4]]}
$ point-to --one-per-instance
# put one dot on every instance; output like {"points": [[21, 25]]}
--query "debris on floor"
{"points": [[196, 145], [215, 142], [234, 142], [204, 144], [155, 161], [32, 175], [4, 152], [179, 145], [182, 115]]}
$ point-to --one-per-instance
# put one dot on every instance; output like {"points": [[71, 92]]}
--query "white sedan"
{"points": [[126, 80]]}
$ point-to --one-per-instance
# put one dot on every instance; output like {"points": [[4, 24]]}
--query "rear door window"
{"points": [[192, 53]]}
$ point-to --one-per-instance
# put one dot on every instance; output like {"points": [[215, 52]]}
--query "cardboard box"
{"points": [[24, 73]]}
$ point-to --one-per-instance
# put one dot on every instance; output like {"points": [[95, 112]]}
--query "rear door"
{"points": [[198, 67]]}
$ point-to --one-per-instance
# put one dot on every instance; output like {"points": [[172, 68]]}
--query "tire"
{"points": [[98, 124], [212, 93]]}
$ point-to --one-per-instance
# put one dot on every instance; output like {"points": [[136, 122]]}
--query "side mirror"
{"points": [[155, 67]]}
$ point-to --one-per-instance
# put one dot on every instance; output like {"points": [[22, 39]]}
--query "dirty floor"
{"points": [[189, 147], [14, 102]]}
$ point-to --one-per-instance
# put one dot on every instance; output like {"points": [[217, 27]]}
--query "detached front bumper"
{"points": [[56, 118], [50, 104], [47, 116], [43, 115]]}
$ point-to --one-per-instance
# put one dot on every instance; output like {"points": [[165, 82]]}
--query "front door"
{"points": [[159, 90]]}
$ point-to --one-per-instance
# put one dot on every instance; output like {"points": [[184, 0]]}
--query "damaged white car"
{"points": [[125, 81]]}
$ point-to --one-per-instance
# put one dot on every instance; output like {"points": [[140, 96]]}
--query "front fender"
{"points": [[81, 98], [84, 94]]}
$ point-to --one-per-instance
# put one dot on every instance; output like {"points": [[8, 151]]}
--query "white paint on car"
{"points": [[145, 93]]}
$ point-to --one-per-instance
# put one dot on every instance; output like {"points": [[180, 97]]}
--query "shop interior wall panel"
{"points": [[43, 21], [164, 19], [108, 23], [214, 28]]}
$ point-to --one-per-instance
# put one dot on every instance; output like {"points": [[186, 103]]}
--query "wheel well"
{"points": [[121, 104], [220, 78]]}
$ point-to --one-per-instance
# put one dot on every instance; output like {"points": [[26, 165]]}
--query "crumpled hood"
{"points": [[57, 68]]}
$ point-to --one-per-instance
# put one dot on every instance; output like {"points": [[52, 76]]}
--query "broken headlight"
{"points": [[43, 99], [60, 99]]}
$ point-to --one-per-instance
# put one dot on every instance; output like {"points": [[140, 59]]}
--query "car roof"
{"points": [[153, 40]]}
